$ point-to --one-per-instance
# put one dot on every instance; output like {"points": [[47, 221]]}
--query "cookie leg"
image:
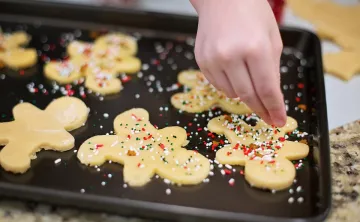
{"points": [[13, 160], [137, 173]]}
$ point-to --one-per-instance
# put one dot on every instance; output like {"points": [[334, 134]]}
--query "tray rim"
{"points": [[58, 197]]}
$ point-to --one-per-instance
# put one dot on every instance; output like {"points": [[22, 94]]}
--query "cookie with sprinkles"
{"points": [[34, 129], [118, 43], [66, 71], [103, 82], [262, 149], [204, 96], [76, 48], [145, 151]]}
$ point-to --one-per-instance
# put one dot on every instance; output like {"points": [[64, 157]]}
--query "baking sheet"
{"points": [[164, 54]]}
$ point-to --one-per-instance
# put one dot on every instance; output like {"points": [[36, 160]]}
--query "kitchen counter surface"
{"points": [[345, 155]]}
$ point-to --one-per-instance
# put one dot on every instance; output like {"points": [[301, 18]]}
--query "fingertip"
{"points": [[278, 117]]}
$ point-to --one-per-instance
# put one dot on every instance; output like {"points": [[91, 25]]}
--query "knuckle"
{"points": [[267, 93], [254, 49], [225, 53], [245, 95]]}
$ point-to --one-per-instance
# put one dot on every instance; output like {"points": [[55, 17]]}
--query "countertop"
{"points": [[345, 155]]}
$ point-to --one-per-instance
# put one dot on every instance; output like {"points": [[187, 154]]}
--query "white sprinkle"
{"points": [[168, 191], [57, 161], [291, 191], [298, 189], [109, 175], [137, 96], [291, 200], [166, 181], [106, 115], [300, 200], [231, 181], [125, 185], [228, 166], [273, 191], [145, 66], [103, 183], [222, 172], [82, 191]]}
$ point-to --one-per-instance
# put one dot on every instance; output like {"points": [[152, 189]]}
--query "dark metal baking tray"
{"points": [[213, 201]]}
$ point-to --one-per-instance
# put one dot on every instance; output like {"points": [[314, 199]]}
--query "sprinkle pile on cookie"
{"points": [[263, 149], [204, 96]]}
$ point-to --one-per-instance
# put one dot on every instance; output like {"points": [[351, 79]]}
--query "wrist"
{"points": [[197, 4]]}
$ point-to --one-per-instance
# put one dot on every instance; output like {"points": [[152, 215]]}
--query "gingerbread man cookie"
{"points": [[66, 71], [11, 53], [13, 40], [204, 96], [262, 149], [145, 150], [99, 63], [34, 129], [119, 43]]}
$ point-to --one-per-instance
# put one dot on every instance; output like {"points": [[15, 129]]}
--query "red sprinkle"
{"points": [[281, 139], [99, 146], [241, 172], [236, 146], [128, 136], [199, 129], [139, 164], [227, 172], [21, 72], [125, 79], [297, 99], [228, 153], [162, 146], [300, 85]]}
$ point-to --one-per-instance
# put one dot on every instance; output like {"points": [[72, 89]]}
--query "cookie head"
{"points": [[71, 112]]}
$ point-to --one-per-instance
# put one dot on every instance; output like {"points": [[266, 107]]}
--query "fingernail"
{"points": [[279, 120]]}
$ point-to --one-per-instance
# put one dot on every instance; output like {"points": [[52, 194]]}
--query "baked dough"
{"points": [[67, 71], [204, 96], [144, 151], [34, 129], [261, 149]]}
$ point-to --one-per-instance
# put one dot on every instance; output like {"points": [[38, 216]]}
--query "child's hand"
{"points": [[238, 48]]}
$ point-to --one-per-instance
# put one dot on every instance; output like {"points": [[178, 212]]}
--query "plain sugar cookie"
{"points": [[34, 129], [19, 58], [204, 96], [262, 149], [145, 150]]}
